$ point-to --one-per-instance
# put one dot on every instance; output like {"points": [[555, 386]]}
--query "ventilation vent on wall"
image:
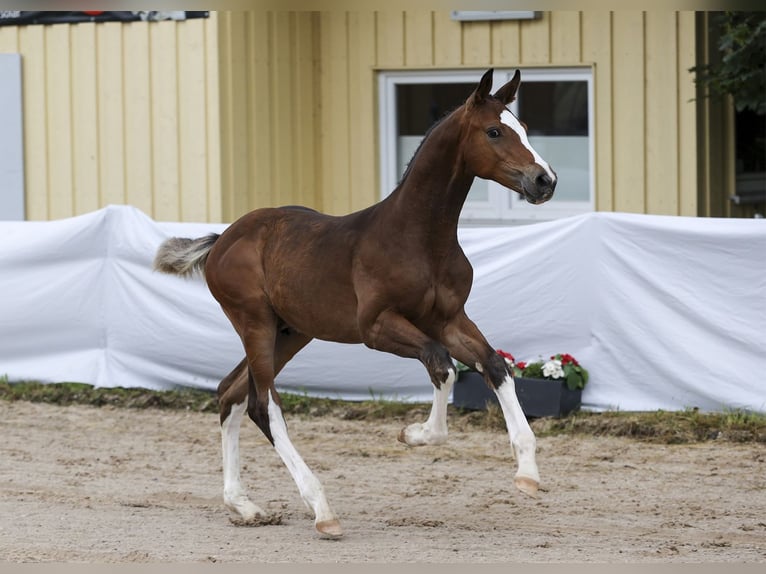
{"points": [[478, 15]]}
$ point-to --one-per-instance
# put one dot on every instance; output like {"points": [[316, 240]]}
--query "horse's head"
{"points": [[495, 143]]}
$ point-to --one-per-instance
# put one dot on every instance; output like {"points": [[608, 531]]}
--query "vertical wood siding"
{"points": [[271, 100], [628, 112], [597, 48], [120, 113], [207, 119], [307, 130]]}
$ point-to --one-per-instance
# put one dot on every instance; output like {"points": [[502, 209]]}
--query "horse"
{"points": [[392, 276]]}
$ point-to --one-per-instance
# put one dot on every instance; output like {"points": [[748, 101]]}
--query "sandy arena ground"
{"points": [[85, 484]]}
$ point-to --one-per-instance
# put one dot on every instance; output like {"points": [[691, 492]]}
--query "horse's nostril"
{"points": [[543, 180]]}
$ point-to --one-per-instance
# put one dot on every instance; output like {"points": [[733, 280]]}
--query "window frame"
{"points": [[499, 209]]}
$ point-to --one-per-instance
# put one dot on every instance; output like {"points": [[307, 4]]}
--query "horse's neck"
{"points": [[431, 195]]}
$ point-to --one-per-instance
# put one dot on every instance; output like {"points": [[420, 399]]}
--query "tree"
{"points": [[742, 69]]}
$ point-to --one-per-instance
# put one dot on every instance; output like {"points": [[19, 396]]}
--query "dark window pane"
{"points": [[419, 106], [750, 136], [554, 108]]}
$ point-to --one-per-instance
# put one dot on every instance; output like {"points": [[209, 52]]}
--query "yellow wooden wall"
{"points": [[270, 106], [120, 113], [207, 119], [300, 88]]}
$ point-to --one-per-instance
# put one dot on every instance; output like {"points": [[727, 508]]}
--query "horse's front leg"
{"points": [[466, 343], [393, 333], [434, 430]]}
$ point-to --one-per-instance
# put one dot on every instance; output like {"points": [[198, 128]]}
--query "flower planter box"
{"points": [[538, 397]]}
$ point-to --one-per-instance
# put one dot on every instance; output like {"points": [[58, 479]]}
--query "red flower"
{"points": [[505, 355], [521, 365], [567, 359]]}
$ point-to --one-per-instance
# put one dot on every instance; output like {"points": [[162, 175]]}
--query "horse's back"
{"points": [[295, 259]]}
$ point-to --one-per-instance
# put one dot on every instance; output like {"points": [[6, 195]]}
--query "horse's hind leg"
{"points": [[264, 408], [232, 398], [311, 490]]}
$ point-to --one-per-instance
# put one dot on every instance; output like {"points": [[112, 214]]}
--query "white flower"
{"points": [[553, 369]]}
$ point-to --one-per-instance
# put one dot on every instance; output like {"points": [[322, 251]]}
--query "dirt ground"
{"points": [[85, 484]]}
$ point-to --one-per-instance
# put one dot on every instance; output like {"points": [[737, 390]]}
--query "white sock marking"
{"points": [[234, 496], [309, 486], [522, 438], [512, 122], [434, 430], [436, 424]]}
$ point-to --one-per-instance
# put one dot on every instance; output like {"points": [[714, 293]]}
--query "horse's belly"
{"points": [[317, 309]]}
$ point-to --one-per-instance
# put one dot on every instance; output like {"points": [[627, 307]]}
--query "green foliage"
{"points": [[302, 403], [461, 368], [741, 71], [575, 376], [532, 370]]}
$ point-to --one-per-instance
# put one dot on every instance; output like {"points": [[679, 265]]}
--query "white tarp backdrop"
{"points": [[665, 312]]}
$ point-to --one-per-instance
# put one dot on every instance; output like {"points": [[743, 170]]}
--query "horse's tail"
{"points": [[182, 256]]}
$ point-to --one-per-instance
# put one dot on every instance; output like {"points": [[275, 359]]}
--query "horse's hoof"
{"points": [[246, 512], [418, 434], [412, 435], [526, 485], [329, 529]]}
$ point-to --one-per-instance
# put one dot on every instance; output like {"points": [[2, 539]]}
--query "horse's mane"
{"points": [[436, 124]]}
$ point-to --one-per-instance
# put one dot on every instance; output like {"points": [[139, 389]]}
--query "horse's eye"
{"points": [[493, 133]]}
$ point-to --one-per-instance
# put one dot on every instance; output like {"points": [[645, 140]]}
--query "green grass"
{"points": [[67, 393], [84, 394], [679, 427], [675, 427]]}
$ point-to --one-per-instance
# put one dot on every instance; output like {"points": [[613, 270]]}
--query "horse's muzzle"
{"points": [[540, 187]]}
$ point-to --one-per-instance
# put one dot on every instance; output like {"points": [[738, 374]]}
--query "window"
{"points": [[555, 103], [750, 158]]}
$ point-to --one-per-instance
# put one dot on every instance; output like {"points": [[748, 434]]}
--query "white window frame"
{"points": [[499, 209]]}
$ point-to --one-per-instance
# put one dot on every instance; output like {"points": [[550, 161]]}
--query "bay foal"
{"points": [[391, 276]]}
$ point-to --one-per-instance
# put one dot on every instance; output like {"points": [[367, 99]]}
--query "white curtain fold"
{"points": [[665, 312]]}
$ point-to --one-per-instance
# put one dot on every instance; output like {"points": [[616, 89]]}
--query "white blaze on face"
{"points": [[512, 122]]}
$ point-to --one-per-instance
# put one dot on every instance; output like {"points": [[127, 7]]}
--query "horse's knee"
{"points": [[496, 370], [438, 362]]}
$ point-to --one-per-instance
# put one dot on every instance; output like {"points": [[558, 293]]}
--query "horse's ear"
{"points": [[507, 93], [482, 90]]}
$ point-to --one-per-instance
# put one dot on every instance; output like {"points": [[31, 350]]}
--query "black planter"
{"points": [[538, 397]]}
